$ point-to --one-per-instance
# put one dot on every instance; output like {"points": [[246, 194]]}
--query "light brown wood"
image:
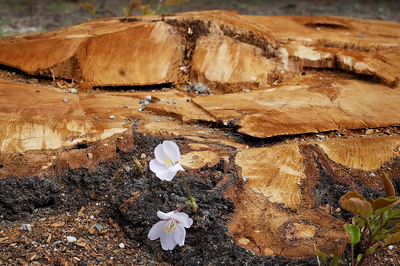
{"points": [[289, 131]]}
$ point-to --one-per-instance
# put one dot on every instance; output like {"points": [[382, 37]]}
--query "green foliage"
{"points": [[336, 255], [90, 8], [353, 232], [376, 224], [59, 6], [146, 8]]}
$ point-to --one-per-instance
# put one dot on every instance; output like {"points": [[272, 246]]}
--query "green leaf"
{"points": [[370, 250], [353, 232], [395, 229], [381, 236], [322, 255], [338, 253], [360, 222], [382, 204], [392, 239], [359, 257], [355, 203]]}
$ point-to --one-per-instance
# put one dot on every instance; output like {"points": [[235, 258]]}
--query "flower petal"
{"points": [[183, 219], [172, 149], [157, 230], [164, 216], [159, 153], [167, 241], [179, 235], [166, 175], [177, 167], [156, 166]]}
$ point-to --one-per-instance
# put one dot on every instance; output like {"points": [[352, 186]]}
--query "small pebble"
{"points": [[125, 106], [121, 245], [140, 109], [112, 116], [361, 35], [65, 100], [390, 247], [148, 98], [74, 91], [144, 102], [99, 227], [128, 169], [71, 238], [26, 227], [198, 88]]}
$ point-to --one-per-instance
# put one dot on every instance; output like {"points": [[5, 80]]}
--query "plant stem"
{"points": [[182, 207], [191, 199], [186, 186]]}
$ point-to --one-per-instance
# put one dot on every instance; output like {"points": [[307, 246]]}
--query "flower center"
{"points": [[170, 226], [168, 161]]}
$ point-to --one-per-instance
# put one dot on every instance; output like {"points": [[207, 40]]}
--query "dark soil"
{"points": [[129, 196]]}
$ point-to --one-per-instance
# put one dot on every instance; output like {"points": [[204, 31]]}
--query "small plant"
{"points": [[90, 8], [146, 8], [128, 10], [375, 226], [171, 230]]}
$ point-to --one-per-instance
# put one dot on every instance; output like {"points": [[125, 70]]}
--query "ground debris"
{"points": [[60, 238]]}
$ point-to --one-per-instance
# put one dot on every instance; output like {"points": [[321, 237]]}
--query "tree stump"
{"points": [[281, 114]]}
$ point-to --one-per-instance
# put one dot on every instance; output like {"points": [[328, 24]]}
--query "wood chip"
{"points": [[80, 213], [58, 224]]}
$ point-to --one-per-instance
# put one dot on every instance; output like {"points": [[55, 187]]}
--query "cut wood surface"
{"points": [[301, 107]]}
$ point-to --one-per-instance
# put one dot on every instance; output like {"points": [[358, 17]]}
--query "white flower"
{"points": [[171, 230], [166, 165]]}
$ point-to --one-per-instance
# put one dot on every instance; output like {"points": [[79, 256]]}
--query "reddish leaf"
{"points": [[356, 203], [393, 239], [382, 204], [389, 189]]}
